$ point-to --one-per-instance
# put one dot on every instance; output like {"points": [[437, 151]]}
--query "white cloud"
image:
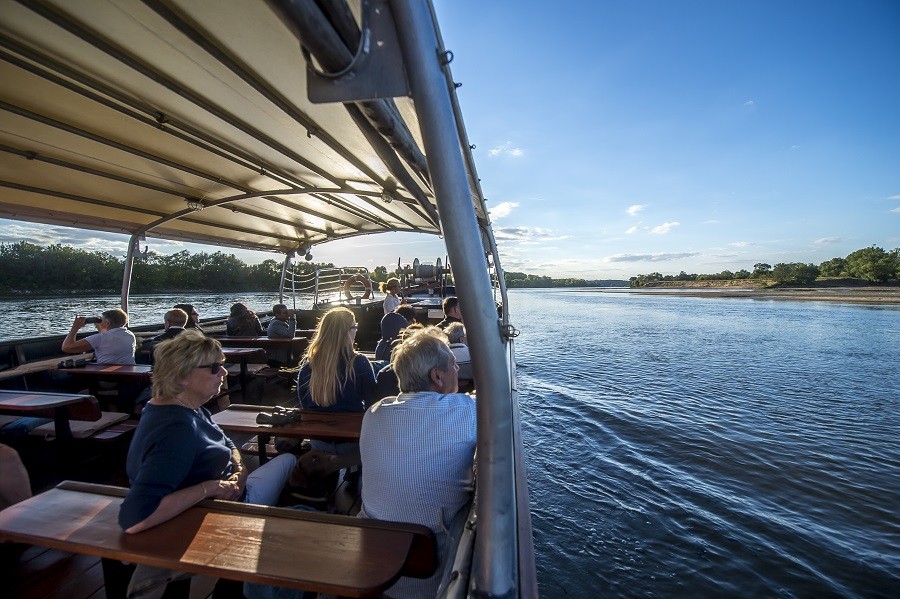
{"points": [[894, 197], [632, 210], [506, 148], [527, 234], [710, 222], [895, 210], [502, 209], [664, 228], [749, 103], [631, 230], [650, 257], [741, 244], [824, 240]]}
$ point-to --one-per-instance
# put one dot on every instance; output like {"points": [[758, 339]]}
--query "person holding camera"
{"points": [[283, 326], [113, 344]]}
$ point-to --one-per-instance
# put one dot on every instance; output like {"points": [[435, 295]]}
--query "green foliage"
{"points": [[761, 270], [380, 274], [833, 268], [874, 264], [28, 268], [795, 272]]}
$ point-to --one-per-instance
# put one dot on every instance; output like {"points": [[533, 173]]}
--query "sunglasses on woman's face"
{"points": [[213, 368]]}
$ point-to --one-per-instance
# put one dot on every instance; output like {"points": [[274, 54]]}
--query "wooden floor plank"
{"points": [[62, 579]]}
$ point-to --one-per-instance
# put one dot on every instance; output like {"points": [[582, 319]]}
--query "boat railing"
{"points": [[324, 286]]}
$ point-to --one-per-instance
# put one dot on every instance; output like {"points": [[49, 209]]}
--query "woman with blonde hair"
{"points": [[391, 287], [333, 376], [179, 456]]}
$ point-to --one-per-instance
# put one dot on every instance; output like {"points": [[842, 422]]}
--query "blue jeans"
{"points": [[264, 484]]}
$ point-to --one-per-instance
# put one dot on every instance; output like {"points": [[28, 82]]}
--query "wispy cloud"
{"points": [[741, 244], [631, 230], [632, 210], [710, 222], [502, 209], [506, 149], [650, 257], [750, 103], [896, 210], [894, 197], [825, 240], [527, 234], [664, 228]]}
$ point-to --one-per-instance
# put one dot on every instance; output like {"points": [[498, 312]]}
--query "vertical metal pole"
{"points": [[496, 543], [133, 242]]}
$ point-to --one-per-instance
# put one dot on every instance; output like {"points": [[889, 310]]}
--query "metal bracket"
{"points": [[376, 70], [508, 331]]}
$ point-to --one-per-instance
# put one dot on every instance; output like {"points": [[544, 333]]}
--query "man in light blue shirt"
{"points": [[418, 448]]}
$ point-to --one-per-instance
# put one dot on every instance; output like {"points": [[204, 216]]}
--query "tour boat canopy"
{"points": [[191, 120]]}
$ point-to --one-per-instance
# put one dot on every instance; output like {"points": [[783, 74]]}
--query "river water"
{"points": [[683, 447]]}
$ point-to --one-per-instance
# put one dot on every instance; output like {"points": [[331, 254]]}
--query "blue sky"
{"points": [[619, 138]]}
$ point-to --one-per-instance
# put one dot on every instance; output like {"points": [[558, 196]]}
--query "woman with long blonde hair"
{"points": [[333, 376]]}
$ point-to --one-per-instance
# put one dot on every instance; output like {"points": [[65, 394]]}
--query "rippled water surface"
{"points": [[710, 447], [683, 447]]}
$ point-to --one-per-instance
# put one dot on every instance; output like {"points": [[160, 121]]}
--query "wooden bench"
{"points": [[326, 553], [83, 408]]}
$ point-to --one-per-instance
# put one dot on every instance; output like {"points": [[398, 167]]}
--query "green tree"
{"points": [[761, 269], [873, 264], [833, 268]]}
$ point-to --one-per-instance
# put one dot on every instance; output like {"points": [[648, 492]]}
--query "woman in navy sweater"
{"points": [[333, 376]]}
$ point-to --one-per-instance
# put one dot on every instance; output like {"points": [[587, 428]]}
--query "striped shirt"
{"points": [[418, 454]]}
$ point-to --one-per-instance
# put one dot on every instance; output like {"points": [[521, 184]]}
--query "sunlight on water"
{"points": [[709, 447]]}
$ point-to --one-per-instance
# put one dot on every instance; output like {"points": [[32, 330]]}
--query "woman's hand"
{"points": [[222, 489]]}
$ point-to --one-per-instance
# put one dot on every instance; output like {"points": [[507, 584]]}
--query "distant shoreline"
{"points": [[852, 295]]}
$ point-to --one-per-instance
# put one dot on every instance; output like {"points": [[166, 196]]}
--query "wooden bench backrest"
{"points": [[326, 553]]}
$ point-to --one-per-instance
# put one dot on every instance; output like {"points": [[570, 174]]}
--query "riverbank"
{"points": [[853, 295]]}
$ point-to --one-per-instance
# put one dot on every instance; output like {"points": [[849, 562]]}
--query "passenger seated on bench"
{"points": [[386, 379], [418, 448], [179, 456], [15, 486], [333, 377], [391, 325], [283, 326], [193, 321], [174, 322], [451, 312], [243, 322], [114, 344]]}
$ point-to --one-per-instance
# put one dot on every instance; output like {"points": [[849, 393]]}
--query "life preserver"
{"points": [[357, 279]]}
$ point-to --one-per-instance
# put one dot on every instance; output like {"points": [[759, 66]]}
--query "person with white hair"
{"points": [[418, 448]]}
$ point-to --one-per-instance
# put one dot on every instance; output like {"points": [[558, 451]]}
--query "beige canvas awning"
{"points": [[190, 120]]}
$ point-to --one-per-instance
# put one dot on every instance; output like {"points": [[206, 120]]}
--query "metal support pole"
{"points": [[133, 242], [496, 543]]}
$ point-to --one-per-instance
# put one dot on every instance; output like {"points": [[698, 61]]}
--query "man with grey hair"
{"points": [[418, 448]]}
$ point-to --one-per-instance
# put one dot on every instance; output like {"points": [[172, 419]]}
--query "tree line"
{"points": [[59, 269], [872, 264]]}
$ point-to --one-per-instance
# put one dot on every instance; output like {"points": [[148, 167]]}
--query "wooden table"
{"points": [[338, 427], [242, 354], [294, 345], [326, 553], [33, 403], [112, 371], [129, 378]]}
